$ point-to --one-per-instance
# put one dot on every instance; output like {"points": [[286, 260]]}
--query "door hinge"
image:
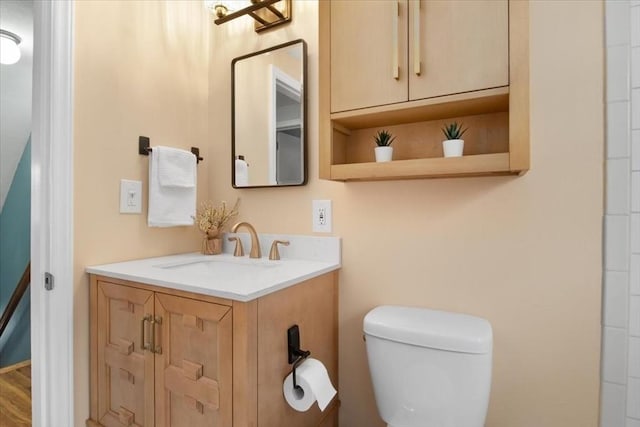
{"points": [[48, 281]]}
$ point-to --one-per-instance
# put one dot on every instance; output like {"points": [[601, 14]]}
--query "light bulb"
{"points": [[221, 8], [9, 50]]}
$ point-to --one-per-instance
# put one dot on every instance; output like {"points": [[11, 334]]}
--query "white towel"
{"points": [[169, 206], [176, 168]]}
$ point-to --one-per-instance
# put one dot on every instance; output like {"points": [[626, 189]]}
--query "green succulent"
{"points": [[384, 138], [453, 130]]}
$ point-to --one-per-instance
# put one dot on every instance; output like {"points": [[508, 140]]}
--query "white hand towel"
{"points": [[176, 168], [169, 206]]}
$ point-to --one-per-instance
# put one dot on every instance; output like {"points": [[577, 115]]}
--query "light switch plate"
{"points": [[130, 196], [322, 216]]}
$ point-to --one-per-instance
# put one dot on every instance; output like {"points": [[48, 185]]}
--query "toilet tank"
{"points": [[428, 367]]}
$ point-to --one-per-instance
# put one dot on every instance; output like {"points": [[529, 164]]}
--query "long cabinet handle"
{"points": [[416, 37], [143, 334], [395, 58], [157, 349]]}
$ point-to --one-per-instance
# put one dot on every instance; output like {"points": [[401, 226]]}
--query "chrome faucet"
{"points": [[255, 244]]}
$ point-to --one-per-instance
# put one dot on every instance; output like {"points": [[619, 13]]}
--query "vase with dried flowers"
{"points": [[211, 221]]}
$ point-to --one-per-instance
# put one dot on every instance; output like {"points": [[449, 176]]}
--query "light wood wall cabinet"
{"points": [[410, 66], [162, 357]]}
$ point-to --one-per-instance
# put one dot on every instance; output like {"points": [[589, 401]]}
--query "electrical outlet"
{"points": [[321, 210], [130, 196]]}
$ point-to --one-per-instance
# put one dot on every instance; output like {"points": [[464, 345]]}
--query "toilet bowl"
{"points": [[429, 368]]}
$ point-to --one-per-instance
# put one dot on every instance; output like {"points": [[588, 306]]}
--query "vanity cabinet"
{"points": [[164, 357], [412, 66], [385, 52], [163, 360]]}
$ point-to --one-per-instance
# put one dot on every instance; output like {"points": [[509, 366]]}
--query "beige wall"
{"points": [[523, 252], [140, 69]]}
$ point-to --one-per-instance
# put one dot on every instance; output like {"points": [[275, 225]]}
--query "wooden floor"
{"points": [[15, 395]]}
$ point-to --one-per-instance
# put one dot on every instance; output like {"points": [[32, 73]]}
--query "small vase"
{"points": [[212, 244], [453, 147], [384, 153]]}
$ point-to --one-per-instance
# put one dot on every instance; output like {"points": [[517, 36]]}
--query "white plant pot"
{"points": [[384, 154], [453, 147]]}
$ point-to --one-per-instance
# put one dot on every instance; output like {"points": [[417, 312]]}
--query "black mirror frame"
{"points": [[305, 143]]}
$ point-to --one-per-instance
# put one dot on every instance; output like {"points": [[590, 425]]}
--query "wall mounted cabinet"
{"points": [[409, 66], [385, 52]]}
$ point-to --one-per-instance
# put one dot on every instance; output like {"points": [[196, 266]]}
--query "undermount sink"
{"points": [[219, 265]]}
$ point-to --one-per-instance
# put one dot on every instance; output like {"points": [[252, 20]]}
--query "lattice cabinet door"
{"points": [[125, 368], [193, 349]]}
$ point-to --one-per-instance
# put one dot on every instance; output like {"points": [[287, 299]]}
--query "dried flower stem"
{"points": [[212, 219]]}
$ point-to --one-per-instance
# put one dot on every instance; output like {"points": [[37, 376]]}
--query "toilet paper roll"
{"points": [[315, 384]]}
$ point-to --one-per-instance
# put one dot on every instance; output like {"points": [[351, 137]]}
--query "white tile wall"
{"points": [[634, 276], [618, 73], [613, 402], [616, 230], [635, 66], [620, 398], [635, 152], [617, 22], [634, 316], [617, 186], [633, 398], [614, 368], [635, 108], [635, 233], [635, 195], [634, 357], [635, 28], [616, 299], [618, 116]]}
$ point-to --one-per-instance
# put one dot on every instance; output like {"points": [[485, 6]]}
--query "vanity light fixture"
{"points": [[266, 13], [9, 49]]}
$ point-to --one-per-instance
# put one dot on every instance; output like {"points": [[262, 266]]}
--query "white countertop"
{"points": [[235, 278]]}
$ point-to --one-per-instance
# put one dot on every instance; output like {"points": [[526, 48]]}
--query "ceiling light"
{"points": [[9, 50]]}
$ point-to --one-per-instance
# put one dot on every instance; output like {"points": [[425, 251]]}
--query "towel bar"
{"points": [[144, 148]]}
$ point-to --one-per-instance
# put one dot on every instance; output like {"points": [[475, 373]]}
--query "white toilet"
{"points": [[429, 368]]}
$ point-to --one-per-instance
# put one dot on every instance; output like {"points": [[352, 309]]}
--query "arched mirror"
{"points": [[269, 117]]}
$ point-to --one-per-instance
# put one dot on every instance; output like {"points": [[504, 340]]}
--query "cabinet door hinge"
{"points": [[48, 281]]}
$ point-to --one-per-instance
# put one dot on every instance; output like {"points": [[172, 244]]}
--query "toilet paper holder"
{"points": [[295, 354]]}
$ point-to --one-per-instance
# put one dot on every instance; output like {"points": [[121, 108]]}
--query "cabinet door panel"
{"points": [[125, 369], [193, 365], [463, 46], [363, 47]]}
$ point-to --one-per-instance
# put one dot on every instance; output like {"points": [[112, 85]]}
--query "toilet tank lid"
{"points": [[430, 328]]}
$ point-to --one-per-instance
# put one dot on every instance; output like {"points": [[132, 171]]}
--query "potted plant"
{"points": [[384, 150], [211, 221], [454, 144]]}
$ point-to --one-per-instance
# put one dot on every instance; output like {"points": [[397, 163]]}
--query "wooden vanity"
{"points": [[164, 357]]}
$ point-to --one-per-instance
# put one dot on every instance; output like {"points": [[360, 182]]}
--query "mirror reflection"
{"points": [[269, 118]]}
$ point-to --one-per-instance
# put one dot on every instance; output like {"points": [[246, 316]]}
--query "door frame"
{"points": [[52, 215], [278, 78]]}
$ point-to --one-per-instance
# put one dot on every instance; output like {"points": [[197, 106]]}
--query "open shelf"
{"points": [[438, 167], [418, 146]]}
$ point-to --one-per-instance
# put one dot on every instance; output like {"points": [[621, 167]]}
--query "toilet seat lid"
{"points": [[430, 328]]}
